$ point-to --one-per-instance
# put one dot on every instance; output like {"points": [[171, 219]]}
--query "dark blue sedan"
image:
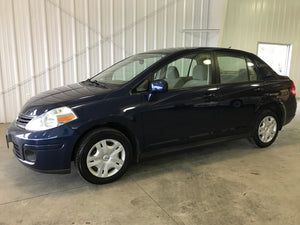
{"points": [[152, 103]]}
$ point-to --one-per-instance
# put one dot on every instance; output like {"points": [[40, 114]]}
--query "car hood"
{"points": [[63, 96]]}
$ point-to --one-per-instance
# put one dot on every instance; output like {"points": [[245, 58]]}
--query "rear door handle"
{"points": [[210, 95], [258, 89]]}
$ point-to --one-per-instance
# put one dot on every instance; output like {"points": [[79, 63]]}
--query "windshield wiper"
{"points": [[97, 83]]}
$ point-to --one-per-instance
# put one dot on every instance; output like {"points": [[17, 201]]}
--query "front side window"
{"points": [[127, 69], [188, 71], [232, 69], [200, 72]]}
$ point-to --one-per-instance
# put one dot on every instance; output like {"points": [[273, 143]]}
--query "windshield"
{"points": [[127, 69]]}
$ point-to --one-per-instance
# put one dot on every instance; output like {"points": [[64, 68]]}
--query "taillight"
{"points": [[293, 89]]}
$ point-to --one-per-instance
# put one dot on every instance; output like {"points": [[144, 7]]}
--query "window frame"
{"points": [[150, 77]]}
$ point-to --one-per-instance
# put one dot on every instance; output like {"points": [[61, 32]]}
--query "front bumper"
{"points": [[45, 151]]}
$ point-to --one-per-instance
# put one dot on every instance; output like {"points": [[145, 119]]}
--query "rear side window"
{"points": [[233, 69], [253, 72], [264, 70]]}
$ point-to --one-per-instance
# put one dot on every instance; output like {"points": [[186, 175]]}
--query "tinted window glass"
{"points": [[124, 71], [232, 69], [189, 71], [182, 65], [264, 70], [200, 72], [175, 69], [194, 63], [144, 86], [252, 70], [175, 73]]}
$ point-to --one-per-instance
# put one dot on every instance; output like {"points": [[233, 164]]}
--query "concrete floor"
{"points": [[228, 183]]}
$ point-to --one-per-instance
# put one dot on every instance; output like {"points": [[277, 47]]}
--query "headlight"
{"points": [[53, 118]]}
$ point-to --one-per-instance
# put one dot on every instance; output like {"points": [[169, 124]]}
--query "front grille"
{"points": [[18, 151], [22, 120]]}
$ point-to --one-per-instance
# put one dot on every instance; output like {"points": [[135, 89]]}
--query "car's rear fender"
{"points": [[276, 107]]}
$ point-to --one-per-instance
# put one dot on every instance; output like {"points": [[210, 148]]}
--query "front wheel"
{"points": [[265, 129], [103, 156]]}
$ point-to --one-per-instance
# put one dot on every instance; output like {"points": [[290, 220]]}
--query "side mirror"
{"points": [[157, 86]]}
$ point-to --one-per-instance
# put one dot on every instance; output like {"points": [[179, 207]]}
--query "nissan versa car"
{"points": [[152, 103]]}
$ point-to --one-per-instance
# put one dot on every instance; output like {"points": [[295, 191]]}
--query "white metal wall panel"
{"points": [[2, 102], [214, 21], [273, 21], [38, 46], [9, 62], [49, 43]]}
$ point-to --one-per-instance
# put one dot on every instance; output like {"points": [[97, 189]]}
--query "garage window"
{"points": [[277, 56]]}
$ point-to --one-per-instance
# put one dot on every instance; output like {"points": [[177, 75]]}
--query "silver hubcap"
{"points": [[105, 158], [267, 129]]}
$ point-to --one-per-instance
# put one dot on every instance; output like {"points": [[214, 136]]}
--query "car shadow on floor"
{"points": [[203, 155], [187, 160], [30, 183]]}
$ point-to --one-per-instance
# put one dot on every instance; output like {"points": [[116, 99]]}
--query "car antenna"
{"points": [[229, 47]]}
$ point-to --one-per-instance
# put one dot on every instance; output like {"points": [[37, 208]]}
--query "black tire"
{"points": [[255, 136], [87, 147]]}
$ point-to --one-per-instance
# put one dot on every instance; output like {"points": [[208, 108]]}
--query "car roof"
{"points": [[170, 51]]}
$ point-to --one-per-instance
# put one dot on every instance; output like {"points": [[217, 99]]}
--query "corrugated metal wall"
{"points": [[271, 21], [49, 43]]}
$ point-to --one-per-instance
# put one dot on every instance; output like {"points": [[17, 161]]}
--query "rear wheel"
{"points": [[265, 129], [103, 156]]}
